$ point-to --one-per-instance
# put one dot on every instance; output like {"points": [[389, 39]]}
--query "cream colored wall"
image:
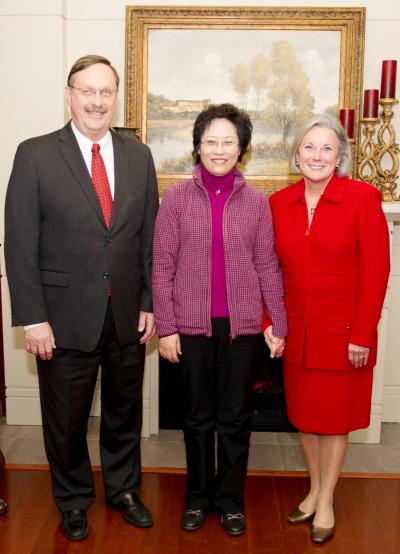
{"points": [[32, 46], [391, 389], [39, 40]]}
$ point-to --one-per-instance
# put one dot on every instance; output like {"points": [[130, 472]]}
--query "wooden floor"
{"points": [[367, 518]]}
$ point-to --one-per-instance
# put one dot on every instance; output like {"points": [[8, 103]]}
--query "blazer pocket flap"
{"points": [[55, 278], [336, 327]]}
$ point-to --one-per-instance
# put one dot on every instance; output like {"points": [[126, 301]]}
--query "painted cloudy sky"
{"points": [[196, 63]]}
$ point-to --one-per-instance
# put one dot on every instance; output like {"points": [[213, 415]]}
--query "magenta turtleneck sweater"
{"points": [[219, 188]]}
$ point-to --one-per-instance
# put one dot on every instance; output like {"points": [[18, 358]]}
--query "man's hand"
{"points": [[275, 344], [148, 325], [169, 348], [39, 341]]}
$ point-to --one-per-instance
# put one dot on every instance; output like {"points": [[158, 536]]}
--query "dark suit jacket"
{"points": [[60, 256]]}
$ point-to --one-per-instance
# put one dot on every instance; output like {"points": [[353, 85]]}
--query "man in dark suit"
{"points": [[78, 247]]}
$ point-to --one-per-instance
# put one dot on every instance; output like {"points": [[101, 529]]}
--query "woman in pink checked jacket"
{"points": [[214, 266]]}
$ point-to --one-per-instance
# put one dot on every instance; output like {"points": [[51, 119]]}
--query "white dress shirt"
{"points": [[106, 151]]}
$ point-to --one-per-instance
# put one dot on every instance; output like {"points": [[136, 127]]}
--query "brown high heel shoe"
{"points": [[321, 534], [297, 516]]}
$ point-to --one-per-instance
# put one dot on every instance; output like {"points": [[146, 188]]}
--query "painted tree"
{"points": [[290, 100], [259, 76], [240, 78], [333, 109]]}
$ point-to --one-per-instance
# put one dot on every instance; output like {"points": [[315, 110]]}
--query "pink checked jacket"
{"points": [[182, 261]]}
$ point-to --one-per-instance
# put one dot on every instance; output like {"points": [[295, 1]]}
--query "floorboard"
{"points": [[367, 519]]}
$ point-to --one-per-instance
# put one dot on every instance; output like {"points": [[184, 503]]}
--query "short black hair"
{"points": [[239, 118]]}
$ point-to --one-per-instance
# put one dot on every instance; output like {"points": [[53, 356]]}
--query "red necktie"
{"points": [[101, 184]]}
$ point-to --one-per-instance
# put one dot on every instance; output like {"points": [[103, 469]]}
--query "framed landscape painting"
{"points": [[282, 65]]}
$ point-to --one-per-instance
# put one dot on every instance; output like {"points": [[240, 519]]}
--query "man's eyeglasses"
{"points": [[226, 144], [92, 92]]}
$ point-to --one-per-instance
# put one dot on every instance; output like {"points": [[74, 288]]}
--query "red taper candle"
{"points": [[371, 97], [388, 81], [346, 117]]}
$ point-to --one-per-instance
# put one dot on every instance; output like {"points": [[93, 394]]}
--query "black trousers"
{"points": [[217, 383], [67, 383]]}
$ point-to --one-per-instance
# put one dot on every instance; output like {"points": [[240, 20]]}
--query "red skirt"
{"points": [[328, 402]]}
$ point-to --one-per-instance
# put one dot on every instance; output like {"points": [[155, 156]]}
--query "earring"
{"points": [[337, 166], [296, 163]]}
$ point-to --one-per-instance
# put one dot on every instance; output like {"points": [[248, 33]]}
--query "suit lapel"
{"points": [[120, 174], [74, 159]]}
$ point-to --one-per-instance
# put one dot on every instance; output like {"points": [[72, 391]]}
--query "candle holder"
{"points": [[387, 151], [352, 143], [367, 170]]}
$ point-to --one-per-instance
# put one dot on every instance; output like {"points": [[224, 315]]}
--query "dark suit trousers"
{"points": [[67, 383], [217, 384]]}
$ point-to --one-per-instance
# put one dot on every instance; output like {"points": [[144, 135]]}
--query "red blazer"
{"points": [[335, 272]]}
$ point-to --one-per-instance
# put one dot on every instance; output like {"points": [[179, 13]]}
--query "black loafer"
{"points": [[3, 506], [134, 511], [74, 525], [234, 524], [192, 519]]}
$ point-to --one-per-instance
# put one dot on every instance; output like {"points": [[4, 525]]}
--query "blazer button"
{"points": [[106, 275], [108, 239]]}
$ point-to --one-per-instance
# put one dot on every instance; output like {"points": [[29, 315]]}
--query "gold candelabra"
{"points": [[367, 170], [378, 161]]}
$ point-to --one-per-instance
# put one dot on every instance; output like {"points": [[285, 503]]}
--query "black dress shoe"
{"points": [[134, 511], [3, 506], [74, 525], [234, 524], [192, 519]]}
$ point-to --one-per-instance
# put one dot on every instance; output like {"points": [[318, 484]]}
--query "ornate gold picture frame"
{"points": [[280, 64]]}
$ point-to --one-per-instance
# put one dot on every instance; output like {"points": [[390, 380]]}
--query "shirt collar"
{"points": [[238, 183], [334, 191], [222, 182], [86, 142]]}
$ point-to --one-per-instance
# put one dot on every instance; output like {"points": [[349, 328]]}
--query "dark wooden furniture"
{"points": [[2, 378], [3, 504]]}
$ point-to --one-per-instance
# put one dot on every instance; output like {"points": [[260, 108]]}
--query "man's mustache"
{"points": [[96, 109]]}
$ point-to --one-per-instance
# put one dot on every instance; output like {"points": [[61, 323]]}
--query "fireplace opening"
{"points": [[269, 408]]}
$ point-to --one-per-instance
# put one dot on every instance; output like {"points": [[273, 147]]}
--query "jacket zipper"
{"points": [[210, 264], [231, 335]]}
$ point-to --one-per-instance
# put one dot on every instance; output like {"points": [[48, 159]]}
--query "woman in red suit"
{"points": [[333, 245]]}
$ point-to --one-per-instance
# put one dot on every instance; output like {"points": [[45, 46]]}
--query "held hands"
{"points": [[358, 355], [148, 325], [169, 348], [275, 344], [39, 341]]}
